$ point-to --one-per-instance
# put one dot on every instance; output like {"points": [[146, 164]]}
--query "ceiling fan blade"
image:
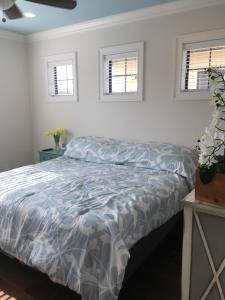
{"points": [[13, 12], [68, 4]]}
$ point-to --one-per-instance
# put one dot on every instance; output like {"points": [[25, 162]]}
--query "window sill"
{"points": [[58, 99], [121, 97], [192, 96]]}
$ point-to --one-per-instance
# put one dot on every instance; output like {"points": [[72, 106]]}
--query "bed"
{"points": [[77, 217]]}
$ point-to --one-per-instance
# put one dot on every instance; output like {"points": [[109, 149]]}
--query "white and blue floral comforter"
{"points": [[77, 220]]}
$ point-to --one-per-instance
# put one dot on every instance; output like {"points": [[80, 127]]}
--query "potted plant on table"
{"points": [[56, 134], [210, 179]]}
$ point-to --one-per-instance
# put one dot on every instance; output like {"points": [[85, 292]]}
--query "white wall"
{"points": [[15, 123], [159, 117]]}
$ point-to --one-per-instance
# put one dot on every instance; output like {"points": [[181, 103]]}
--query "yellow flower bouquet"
{"points": [[56, 133]]}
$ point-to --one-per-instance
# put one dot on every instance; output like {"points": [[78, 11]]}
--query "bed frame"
{"points": [[144, 247]]}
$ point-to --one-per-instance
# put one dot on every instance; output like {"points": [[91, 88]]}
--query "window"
{"points": [[196, 61], [121, 75], [196, 53], [61, 75], [61, 78], [121, 72]]}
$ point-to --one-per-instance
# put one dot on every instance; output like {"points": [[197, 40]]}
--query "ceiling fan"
{"points": [[12, 11]]}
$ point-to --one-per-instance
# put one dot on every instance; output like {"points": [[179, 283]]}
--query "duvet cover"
{"points": [[76, 220]]}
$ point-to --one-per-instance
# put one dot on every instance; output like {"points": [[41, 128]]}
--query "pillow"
{"points": [[164, 156], [93, 149], [158, 156]]}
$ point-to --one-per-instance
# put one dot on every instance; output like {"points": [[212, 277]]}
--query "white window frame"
{"points": [[55, 59], [201, 38], [120, 50]]}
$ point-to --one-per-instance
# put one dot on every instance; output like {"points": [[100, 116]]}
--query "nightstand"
{"points": [[47, 154], [203, 263]]}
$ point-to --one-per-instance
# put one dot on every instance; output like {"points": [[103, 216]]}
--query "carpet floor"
{"points": [[158, 279]]}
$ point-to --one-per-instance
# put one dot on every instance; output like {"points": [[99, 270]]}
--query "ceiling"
{"points": [[50, 17]]}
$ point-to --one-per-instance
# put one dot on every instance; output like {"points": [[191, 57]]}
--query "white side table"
{"points": [[203, 263]]}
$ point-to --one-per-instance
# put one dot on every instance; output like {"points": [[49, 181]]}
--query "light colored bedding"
{"points": [[76, 220]]}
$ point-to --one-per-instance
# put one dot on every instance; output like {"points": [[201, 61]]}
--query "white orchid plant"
{"points": [[211, 145]]}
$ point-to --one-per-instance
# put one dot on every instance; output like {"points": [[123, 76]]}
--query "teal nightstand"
{"points": [[47, 154]]}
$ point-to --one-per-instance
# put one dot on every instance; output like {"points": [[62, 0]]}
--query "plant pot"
{"points": [[206, 175], [213, 192]]}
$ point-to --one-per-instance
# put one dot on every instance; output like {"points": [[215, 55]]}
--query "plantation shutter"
{"points": [[60, 77], [121, 73], [197, 58]]}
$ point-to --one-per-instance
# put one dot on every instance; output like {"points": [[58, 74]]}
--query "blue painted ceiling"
{"points": [[49, 17]]}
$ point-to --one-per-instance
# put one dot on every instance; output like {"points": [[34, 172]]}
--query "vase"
{"points": [[56, 140]]}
